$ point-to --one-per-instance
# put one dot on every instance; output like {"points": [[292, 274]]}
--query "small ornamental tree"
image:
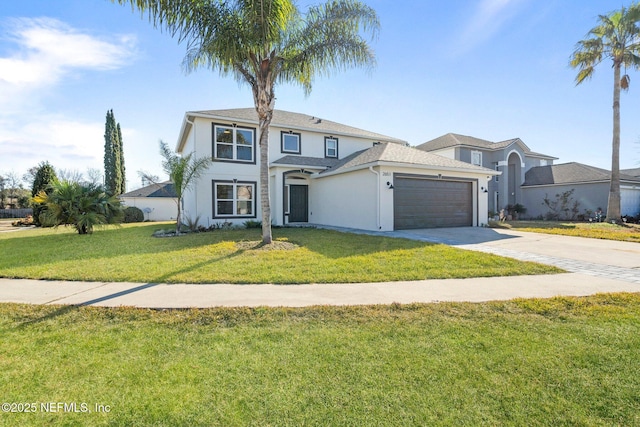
{"points": [[45, 175], [183, 173], [82, 205]]}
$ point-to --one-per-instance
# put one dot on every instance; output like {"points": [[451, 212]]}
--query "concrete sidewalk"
{"points": [[596, 266], [424, 291]]}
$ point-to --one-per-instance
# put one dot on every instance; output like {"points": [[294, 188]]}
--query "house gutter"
{"points": [[193, 126], [377, 174]]}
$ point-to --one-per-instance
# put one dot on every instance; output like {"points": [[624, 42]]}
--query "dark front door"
{"points": [[298, 203]]}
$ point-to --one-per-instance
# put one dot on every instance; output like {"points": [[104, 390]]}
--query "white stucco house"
{"points": [[326, 173], [158, 202]]}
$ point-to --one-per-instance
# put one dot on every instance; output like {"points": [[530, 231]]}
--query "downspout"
{"points": [[377, 196], [193, 125]]}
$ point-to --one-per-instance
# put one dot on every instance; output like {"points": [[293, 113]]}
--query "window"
{"points": [[476, 158], [234, 199], [233, 143], [330, 147], [543, 162], [290, 142], [497, 176]]}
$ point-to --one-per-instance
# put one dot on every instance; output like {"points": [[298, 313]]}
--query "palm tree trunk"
{"points": [[613, 205], [264, 102], [265, 206], [178, 217]]}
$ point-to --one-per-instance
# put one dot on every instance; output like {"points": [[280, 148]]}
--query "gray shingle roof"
{"points": [[570, 173], [288, 119], [394, 153], [318, 162], [456, 140], [163, 189], [632, 172]]}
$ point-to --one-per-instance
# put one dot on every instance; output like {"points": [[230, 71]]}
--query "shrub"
{"points": [[563, 207], [83, 205], [253, 224], [133, 214]]}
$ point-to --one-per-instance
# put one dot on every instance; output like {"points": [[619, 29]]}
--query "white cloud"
{"points": [[37, 55], [48, 49], [486, 22]]}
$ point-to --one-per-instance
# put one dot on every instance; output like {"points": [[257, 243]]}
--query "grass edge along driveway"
{"points": [[302, 255]]}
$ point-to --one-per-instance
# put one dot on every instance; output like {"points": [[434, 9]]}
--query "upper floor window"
{"points": [[543, 162], [331, 147], [497, 176], [476, 158], [234, 143], [290, 142]]}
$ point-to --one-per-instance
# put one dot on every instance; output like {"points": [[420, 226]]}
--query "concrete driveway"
{"points": [[590, 251]]}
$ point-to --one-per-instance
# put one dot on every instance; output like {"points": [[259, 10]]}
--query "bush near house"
{"points": [[133, 214]]}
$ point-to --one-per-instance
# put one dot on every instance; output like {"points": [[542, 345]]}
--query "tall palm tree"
{"points": [[616, 37], [265, 42]]}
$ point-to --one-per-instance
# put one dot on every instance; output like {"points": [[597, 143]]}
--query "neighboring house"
{"points": [[590, 185], [158, 202], [511, 157], [326, 173]]}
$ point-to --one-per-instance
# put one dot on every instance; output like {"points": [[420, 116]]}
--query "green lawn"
{"points": [[562, 361], [130, 253], [598, 230]]}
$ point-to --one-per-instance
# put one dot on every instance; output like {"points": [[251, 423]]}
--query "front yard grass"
{"points": [[562, 361], [130, 253], [595, 230]]}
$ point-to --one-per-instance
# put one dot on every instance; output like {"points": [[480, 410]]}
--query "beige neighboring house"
{"points": [[158, 202]]}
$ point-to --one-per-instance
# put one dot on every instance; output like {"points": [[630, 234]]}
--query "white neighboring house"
{"points": [[326, 173], [158, 202]]}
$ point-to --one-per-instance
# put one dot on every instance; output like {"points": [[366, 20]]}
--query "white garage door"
{"points": [[630, 201]]}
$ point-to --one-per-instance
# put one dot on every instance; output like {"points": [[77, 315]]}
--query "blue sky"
{"points": [[493, 69]]}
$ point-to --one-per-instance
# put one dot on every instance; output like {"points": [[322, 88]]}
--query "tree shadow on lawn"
{"points": [[64, 309], [117, 242]]}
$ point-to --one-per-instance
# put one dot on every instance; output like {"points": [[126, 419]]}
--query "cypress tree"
{"points": [[114, 173], [123, 181], [44, 177], [109, 157]]}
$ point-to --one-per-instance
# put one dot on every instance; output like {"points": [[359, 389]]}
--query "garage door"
{"points": [[427, 203]]}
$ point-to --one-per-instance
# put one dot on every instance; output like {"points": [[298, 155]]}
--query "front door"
{"points": [[298, 203]]}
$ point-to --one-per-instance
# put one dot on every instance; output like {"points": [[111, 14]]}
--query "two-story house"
{"points": [[326, 173], [512, 157]]}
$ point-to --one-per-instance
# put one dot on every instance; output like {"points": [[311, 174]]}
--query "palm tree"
{"points": [[265, 42], [183, 172], [616, 37], [83, 205]]}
